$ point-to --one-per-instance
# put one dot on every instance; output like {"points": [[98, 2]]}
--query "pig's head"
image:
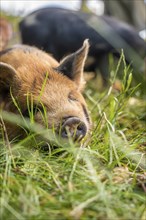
{"points": [[49, 89]]}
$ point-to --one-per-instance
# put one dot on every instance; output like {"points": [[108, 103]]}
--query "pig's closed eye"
{"points": [[72, 98]]}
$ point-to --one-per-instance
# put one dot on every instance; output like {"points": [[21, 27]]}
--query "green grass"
{"points": [[102, 179]]}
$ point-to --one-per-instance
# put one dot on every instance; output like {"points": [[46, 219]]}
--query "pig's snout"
{"points": [[73, 127]]}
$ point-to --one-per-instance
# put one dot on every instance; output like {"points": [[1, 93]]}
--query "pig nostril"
{"points": [[81, 130], [73, 127], [81, 127], [64, 133]]}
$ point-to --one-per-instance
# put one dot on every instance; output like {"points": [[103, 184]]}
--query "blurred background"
{"points": [[130, 11], [23, 7]]}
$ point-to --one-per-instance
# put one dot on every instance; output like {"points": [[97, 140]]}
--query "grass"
{"points": [[102, 179]]}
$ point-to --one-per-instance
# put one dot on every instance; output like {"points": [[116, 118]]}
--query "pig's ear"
{"points": [[7, 74], [72, 66]]}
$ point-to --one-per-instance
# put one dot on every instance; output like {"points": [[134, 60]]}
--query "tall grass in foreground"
{"points": [[104, 178]]}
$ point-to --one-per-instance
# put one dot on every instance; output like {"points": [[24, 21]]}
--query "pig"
{"points": [[27, 73], [6, 33], [61, 31]]}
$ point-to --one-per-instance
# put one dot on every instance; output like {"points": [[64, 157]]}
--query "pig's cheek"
{"points": [[47, 120], [39, 118]]}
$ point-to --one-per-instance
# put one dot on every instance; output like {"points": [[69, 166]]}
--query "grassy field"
{"points": [[103, 178]]}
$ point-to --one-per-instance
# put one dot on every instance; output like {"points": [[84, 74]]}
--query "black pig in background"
{"points": [[61, 31]]}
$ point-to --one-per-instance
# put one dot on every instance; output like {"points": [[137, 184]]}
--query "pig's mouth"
{"points": [[73, 127]]}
